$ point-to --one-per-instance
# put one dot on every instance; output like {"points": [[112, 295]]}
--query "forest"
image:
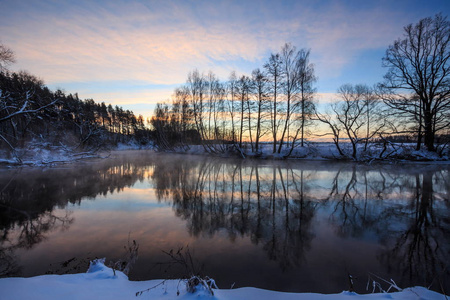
{"points": [[31, 115], [274, 111]]}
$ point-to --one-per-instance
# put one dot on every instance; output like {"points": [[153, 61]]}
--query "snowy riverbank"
{"points": [[39, 154], [101, 283]]}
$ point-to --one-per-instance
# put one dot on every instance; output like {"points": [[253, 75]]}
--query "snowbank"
{"points": [[101, 283], [44, 154], [327, 151]]}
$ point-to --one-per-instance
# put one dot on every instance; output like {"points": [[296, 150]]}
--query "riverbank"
{"points": [[100, 282], [321, 151], [45, 155]]}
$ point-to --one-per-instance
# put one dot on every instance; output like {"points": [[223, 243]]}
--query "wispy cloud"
{"points": [[159, 42], [95, 43]]}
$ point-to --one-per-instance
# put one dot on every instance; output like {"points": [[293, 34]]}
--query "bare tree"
{"points": [[350, 113], [231, 105], [181, 115], [305, 104], [288, 59], [355, 116], [216, 128], [298, 78], [306, 81], [212, 89], [291, 76], [328, 119], [7, 57], [371, 105], [197, 87], [260, 91], [419, 68], [377, 119], [160, 121], [275, 73], [243, 91]]}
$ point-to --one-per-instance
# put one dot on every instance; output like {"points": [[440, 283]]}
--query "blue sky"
{"points": [[134, 53]]}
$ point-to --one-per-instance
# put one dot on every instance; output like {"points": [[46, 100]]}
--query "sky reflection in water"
{"points": [[290, 226]]}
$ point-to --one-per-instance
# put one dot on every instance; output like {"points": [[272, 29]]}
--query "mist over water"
{"points": [[281, 225]]}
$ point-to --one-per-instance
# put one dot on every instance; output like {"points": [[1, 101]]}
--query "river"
{"points": [[291, 226]]}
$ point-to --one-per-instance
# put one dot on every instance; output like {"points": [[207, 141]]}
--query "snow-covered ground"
{"points": [[42, 154], [328, 151], [36, 153], [101, 283]]}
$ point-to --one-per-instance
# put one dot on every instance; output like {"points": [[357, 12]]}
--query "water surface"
{"points": [[281, 225]]}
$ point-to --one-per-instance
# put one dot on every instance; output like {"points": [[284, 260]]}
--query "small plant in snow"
{"points": [[200, 284], [153, 287], [351, 283], [376, 286], [125, 264], [195, 283]]}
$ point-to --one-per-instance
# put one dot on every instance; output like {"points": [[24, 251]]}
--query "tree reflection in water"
{"points": [[28, 198], [421, 248], [290, 211], [274, 205], [267, 204]]}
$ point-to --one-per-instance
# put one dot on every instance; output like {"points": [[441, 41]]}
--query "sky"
{"points": [[135, 53]]}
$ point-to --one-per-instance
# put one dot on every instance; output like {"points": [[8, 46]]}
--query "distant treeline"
{"points": [[30, 112]]}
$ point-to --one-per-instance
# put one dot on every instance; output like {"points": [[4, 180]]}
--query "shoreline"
{"points": [[71, 158], [101, 282]]}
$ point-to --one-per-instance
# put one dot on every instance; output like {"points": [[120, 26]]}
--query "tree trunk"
{"points": [[428, 132], [303, 120], [419, 130], [274, 127]]}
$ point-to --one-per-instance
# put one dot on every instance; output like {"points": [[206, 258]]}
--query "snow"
{"points": [[101, 282], [394, 152], [43, 154]]}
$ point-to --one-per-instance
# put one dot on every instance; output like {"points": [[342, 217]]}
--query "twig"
{"points": [[151, 288]]}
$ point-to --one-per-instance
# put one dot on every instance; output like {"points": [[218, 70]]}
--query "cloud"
{"points": [[94, 43], [162, 43], [159, 42]]}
